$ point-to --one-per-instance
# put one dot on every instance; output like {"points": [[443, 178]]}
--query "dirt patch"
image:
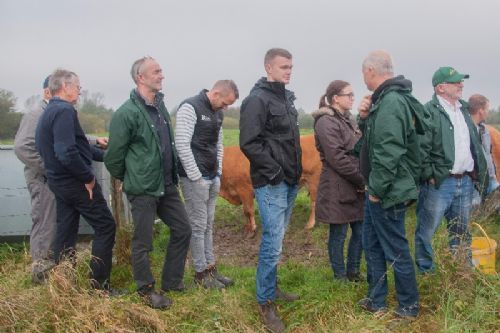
{"points": [[233, 247]]}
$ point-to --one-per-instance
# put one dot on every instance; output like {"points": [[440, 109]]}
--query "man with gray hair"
{"points": [[43, 203], [67, 156], [390, 120], [453, 161], [141, 153], [198, 138]]}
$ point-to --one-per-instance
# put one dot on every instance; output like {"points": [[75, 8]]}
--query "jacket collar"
{"points": [[276, 88]]}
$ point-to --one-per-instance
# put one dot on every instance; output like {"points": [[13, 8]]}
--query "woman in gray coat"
{"points": [[341, 188]]}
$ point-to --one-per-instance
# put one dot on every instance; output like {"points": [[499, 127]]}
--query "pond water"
{"points": [[15, 207]]}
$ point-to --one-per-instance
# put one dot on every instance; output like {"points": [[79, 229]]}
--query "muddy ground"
{"points": [[235, 247]]}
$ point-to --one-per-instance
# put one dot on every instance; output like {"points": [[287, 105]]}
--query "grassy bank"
{"points": [[452, 300]]}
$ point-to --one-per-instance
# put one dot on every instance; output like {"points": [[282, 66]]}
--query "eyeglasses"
{"points": [[350, 95], [459, 82], [78, 87]]}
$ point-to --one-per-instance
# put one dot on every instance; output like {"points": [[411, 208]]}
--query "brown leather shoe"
{"points": [[270, 317], [207, 281], [219, 277], [283, 296]]}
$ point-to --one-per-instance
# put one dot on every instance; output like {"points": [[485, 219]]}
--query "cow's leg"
{"points": [[248, 210], [312, 220]]}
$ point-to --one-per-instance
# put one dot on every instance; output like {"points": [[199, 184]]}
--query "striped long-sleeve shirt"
{"points": [[184, 129]]}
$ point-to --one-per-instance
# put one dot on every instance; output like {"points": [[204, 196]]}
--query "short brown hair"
{"points": [[227, 86], [477, 102], [276, 52]]}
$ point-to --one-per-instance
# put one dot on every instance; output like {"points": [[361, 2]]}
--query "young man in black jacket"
{"points": [[270, 139]]}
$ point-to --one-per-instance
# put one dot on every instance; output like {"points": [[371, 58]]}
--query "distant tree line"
{"points": [[232, 118], [94, 116]]}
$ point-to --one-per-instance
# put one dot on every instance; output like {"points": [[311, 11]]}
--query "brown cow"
{"points": [[495, 142], [236, 186]]}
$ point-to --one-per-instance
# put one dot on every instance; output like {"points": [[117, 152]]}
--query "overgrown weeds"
{"points": [[453, 299]]}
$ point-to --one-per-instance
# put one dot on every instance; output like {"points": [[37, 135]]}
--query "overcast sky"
{"points": [[199, 42]]}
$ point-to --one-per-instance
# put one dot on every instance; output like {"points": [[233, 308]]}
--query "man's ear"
{"points": [[267, 67]]}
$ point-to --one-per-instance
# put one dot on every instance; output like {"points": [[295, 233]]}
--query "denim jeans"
{"points": [[199, 198], [453, 200], [384, 241], [476, 197], [336, 241], [275, 208], [72, 200], [171, 211]]}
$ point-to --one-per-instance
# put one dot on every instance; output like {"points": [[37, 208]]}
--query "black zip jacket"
{"points": [[269, 134]]}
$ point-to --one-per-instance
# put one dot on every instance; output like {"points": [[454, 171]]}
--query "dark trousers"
{"points": [[171, 211], [73, 200], [336, 241], [384, 242]]}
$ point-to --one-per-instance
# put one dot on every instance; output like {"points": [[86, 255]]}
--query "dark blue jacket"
{"points": [[65, 150]]}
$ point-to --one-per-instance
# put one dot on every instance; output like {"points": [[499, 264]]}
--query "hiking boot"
{"points": [[355, 277], [40, 270], [180, 288], [221, 278], [153, 299], [283, 296], [105, 287], [367, 305], [409, 312], [270, 317], [207, 281]]}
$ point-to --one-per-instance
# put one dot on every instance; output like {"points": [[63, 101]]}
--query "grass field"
{"points": [[231, 136], [453, 299]]}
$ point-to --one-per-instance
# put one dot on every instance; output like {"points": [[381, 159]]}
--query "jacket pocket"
{"points": [[346, 195], [279, 118]]}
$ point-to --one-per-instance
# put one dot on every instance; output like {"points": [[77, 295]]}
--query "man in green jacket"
{"points": [[452, 160], [390, 163], [141, 153]]}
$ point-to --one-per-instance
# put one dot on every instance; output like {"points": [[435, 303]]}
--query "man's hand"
{"points": [[90, 187], [373, 198], [364, 106], [102, 142]]}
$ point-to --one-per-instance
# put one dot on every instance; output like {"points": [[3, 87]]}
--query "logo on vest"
{"points": [[205, 118]]}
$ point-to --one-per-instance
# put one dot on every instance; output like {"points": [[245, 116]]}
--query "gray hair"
{"points": [[380, 61], [58, 77], [227, 86], [137, 67]]}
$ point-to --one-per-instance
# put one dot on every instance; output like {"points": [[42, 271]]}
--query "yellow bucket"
{"points": [[483, 252]]}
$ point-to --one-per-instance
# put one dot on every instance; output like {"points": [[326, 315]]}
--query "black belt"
{"points": [[461, 175]]}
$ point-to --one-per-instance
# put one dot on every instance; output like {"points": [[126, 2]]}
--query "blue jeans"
{"points": [[476, 197], [275, 208], [453, 200], [336, 241], [384, 240]]}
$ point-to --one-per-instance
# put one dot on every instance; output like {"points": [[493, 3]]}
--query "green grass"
{"points": [[452, 300], [232, 136]]}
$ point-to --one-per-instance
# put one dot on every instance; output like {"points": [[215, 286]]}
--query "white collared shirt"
{"points": [[463, 156]]}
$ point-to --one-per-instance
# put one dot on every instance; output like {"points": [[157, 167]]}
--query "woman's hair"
{"points": [[334, 88]]}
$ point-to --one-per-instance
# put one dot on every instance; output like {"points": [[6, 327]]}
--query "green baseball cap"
{"points": [[447, 74]]}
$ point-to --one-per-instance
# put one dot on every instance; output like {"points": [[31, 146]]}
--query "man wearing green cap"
{"points": [[452, 161]]}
